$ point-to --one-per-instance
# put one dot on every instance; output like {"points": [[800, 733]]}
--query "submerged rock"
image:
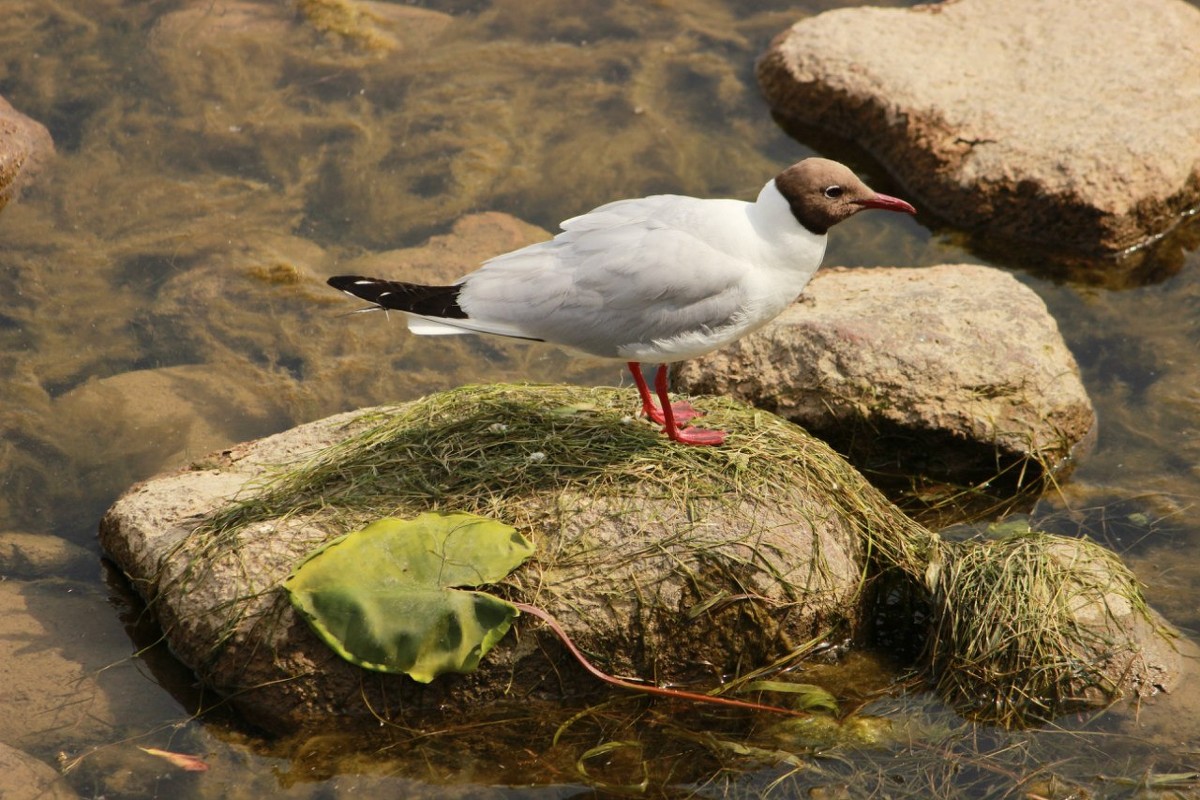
{"points": [[40, 555], [156, 419], [373, 26], [1073, 124], [361, 117], [261, 311], [25, 146], [23, 777], [66, 674], [957, 372]]}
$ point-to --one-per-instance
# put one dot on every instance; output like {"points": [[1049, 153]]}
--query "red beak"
{"points": [[887, 203]]}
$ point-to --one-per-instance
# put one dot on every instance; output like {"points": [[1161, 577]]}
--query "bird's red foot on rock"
{"points": [[696, 436], [681, 411]]}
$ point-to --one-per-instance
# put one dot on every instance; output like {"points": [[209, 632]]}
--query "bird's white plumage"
{"points": [[661, 278]]}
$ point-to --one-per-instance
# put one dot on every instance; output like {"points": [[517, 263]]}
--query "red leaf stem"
{"points": [[678, 694]]}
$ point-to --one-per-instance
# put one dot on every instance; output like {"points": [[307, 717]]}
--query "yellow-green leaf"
{"points": [[385, 597]]}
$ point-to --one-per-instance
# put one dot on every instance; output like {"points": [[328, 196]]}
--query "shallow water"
{"points": [[164, 298]]}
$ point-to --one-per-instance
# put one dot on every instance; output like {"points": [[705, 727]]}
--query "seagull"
{"points": [[654, 279]]}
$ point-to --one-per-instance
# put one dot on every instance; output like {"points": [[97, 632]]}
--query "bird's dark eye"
{"points": [[833, 192]]}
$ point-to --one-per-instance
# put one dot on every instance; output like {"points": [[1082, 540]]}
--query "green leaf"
{"points": [[385, 598]]}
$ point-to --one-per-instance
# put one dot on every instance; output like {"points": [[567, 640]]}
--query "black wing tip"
{"points": [[344, 282], [415, 298]]}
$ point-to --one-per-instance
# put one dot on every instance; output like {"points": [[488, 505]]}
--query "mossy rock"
{"points": [[677, 564], [669, 562], [1028, 625]]}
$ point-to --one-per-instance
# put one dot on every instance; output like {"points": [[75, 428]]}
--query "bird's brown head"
{"points": [[822, 193]]}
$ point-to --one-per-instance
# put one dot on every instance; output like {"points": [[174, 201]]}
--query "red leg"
{"points": [[681, 435], [682, 412], [648, 407]]}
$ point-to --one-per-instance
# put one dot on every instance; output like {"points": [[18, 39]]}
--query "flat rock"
{"points": [[1073, 124], [25, 146], [948, 371]]}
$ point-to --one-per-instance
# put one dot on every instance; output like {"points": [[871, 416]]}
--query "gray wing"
{"points": [[633, 271]]}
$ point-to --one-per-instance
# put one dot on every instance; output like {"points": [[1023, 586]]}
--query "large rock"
{"points": [[661, 561], [25, 146], [954, 371], [1072, 123], [679, 563]]}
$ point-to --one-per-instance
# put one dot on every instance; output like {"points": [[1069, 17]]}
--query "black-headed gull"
{"points": [[656, 279]]}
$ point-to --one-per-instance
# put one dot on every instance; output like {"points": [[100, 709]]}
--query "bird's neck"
{"points": [[771, 194], [772, 209], [790, 245]]}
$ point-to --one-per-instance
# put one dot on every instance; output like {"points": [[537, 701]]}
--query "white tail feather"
{"points": [[423, 326], [426, 326]]}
